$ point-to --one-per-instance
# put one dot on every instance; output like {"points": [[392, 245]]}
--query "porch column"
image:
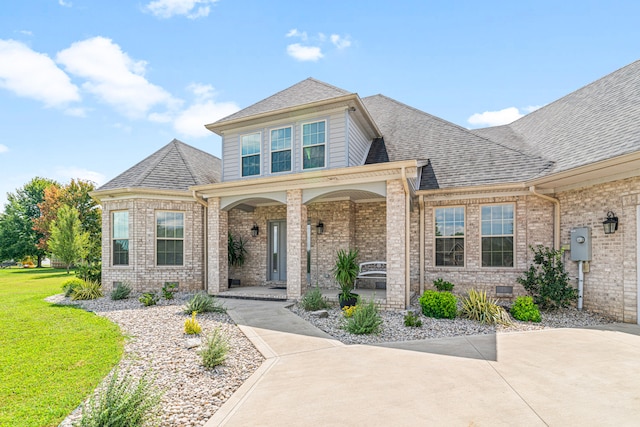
{"points": [[396, 248], [296, 245], [217, 247]]}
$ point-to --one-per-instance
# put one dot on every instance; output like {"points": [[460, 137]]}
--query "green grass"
{"points": [[51, 356]]}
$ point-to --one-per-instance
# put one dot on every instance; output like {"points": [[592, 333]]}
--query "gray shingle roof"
{"points": [[304, 92], [457, 157], [176, 166], [597, 122]]}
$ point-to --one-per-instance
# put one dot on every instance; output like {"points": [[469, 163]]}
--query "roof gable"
{"points": [[176, 166]]}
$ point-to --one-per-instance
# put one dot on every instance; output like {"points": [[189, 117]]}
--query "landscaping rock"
{"points": [[320, 314], [193, 342]]}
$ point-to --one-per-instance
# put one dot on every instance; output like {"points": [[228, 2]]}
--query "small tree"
{"points": [[68, 242], [546, 281]]}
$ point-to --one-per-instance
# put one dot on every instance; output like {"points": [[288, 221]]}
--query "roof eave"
{"points": [[114, 193]]}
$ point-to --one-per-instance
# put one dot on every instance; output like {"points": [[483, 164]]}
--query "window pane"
{"points": [[281, 139], [281, 161], [497, 251], [251, 144], [121, 225], [313, 133], [251, 165], [313, 157], [121, 252], [450, 252]]}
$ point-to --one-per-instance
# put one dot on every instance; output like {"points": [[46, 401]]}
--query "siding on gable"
{"points": [[358, 143]]}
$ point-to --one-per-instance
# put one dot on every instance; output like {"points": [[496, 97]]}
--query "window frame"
{"points": [[512, 235], [290, 149], [324, 144], [463, 237], [259, 154], [158, 238], [114, 238]]}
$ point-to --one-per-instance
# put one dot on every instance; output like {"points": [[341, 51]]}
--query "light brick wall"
{"points": [[142, 272], [296, 245], [610, 286], [217, 239], [396, 251]]}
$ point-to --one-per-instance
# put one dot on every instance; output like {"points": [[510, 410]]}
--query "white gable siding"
{"points": [[231, 156], [336, 142], [358, 143]]}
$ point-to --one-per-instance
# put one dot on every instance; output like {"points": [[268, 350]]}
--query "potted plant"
{"points": [[345, 272], [236, 255]]}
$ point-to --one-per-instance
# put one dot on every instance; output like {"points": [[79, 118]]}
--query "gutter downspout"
{"points": [[205, 255], [407, 236], [556, 212], [421, 203]]}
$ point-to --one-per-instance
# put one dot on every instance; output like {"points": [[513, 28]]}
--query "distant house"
{"points": [[430, 198]]}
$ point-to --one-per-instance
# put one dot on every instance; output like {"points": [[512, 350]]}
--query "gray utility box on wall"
{"points": [[581, 244]]}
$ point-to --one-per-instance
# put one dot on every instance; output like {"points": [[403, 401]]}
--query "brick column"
{"points": [[296, 245], [218, 269], [396, 245]]}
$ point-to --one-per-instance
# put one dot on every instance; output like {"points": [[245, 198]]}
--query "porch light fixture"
{"points": [[611, 223], [255, 230], [320, 228]]}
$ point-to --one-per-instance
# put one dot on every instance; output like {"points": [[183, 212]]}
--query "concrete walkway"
{"points": [[559, 377]]}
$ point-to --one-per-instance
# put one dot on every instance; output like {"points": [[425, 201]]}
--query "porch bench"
{"points": [[371, 270]]}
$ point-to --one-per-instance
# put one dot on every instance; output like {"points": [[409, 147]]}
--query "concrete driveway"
{"points": [[555, 377]]}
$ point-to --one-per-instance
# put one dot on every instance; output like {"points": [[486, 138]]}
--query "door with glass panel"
{"points": [[277, 262]]}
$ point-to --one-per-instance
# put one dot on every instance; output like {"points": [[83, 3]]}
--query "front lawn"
{"points": [[51, 356]]}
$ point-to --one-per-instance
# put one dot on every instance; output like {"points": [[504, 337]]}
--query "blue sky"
{"points": [[90, 87]]}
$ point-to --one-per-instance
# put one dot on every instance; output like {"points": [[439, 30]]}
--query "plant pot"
{"points": [[349, 301]]}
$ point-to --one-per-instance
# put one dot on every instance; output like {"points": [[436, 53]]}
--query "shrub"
{"points": [[440, 305], [121, 291], [313, 300], [89, 271], [70, 285], [148, 298], [345, 272], [191, 326], [365, 319], [87, 290], [203, 303], [214, 349], [348, 310], [169, 289], [412, 320], [442, 285], [546, 281], [484, 310], [123, 401], [524, 309]]}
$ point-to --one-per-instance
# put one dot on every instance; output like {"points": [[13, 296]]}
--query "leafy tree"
{"points": [[68, 242], [48, 213], [18, 239]]}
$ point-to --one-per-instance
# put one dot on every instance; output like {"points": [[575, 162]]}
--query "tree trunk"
{"points": [[39, 261]]}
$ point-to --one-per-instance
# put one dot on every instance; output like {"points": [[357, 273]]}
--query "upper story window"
{"points": [[170, 238], [250, 145], [449, 236], [497, 235], [120, 237], [281, 150], [313, 145]]}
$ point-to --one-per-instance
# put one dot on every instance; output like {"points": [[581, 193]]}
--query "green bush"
{"points": [[123, 402], [214, 349], [121, 291], [546, 281], [87, 290], [440, 305], [442, 285], [70, 285], [364, 320], [169, 289], [412, 320], [313, 300], [203, 303], [148, 299], [89, 271], [479, 308], [525, 309]]}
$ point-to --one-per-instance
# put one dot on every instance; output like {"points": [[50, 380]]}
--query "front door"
{"points": [[277, 262]]}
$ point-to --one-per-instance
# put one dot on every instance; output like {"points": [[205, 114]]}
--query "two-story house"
{"points": [[314, 168]]}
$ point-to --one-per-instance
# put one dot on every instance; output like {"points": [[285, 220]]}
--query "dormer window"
{"points": [[281, 150], [250, 145], [313, 145]]}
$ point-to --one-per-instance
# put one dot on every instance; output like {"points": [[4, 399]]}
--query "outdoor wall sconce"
{"points": [[320, 227], [255, 230], [611, 223]]}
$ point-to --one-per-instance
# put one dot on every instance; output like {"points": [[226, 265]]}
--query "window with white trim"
{"points": [[170, 238], [281, 150], [313, 145], [497, 235], [120, 238], [250, 146], [449, 223]]}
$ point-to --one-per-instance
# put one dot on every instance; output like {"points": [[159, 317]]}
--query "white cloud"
{"points": [[26, 32], [3, 148], [114, 77], [204, 110], [73, 172], [304, 53], [295, 33], [192, 9], [495, 118], [34, 75], [65, 3], [531, 108], [340, 42]]}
